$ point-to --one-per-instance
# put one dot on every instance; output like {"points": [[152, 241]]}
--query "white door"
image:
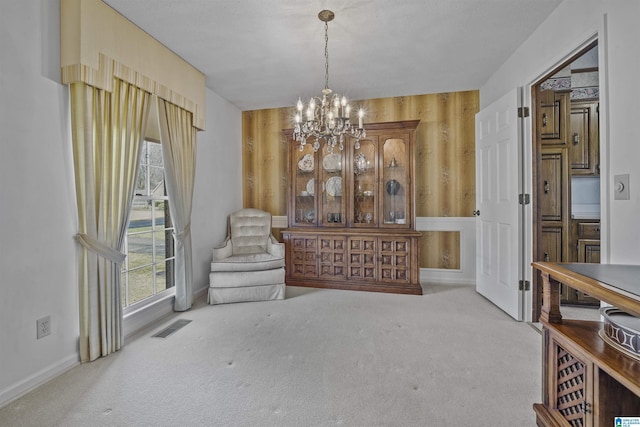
{"points": [[498, 182]]}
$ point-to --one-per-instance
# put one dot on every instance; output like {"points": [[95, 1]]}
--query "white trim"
{"points": [[28, 384], [147, 314], [466, 226]]}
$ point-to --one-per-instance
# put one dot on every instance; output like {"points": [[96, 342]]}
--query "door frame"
{"points": [[533, 165]]}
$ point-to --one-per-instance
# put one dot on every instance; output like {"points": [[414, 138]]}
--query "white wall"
{"points": [[569, 27], [623, 61], [218, 187], [37, 208], [37, 197]]}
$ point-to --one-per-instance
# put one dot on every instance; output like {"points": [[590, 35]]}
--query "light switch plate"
{"points": [[621, 187]]}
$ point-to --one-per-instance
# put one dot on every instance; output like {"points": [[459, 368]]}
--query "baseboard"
{"points": [[18, 390], [201, 292]]}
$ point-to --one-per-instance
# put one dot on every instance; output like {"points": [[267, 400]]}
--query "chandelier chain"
{"points": [[326, 55]]}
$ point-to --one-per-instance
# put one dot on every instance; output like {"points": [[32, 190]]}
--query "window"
{"points": [[148, 269]]}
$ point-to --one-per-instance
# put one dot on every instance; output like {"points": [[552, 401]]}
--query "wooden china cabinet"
{"points": [[351, 213]]}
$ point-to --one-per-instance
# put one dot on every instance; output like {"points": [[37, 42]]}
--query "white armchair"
{"points": [[249, 264]]}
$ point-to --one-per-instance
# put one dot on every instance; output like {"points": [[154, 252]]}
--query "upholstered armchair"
{"points": [[249, 264]]}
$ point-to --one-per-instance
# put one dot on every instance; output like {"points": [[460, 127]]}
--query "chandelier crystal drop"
{"points": [[327, 117]]}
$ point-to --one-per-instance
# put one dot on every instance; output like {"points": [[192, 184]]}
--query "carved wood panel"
{"points": [[304, 262], [332, 256], [362, 258], [394, 260]]}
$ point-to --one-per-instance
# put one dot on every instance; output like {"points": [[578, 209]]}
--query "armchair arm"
{"points": [[225, 250], [274, 247]]}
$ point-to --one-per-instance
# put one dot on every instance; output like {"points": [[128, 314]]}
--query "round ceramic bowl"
{"points": [[621, 330]]}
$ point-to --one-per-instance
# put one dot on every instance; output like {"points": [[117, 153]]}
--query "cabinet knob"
{"points": [[546, 187], [544, 120], [576, 138], [546, 257], [476, 213]]}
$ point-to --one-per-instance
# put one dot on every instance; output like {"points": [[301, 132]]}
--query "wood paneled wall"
{"points": [[445, 160]]}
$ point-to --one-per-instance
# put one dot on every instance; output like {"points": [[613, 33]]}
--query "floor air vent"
{"points": [[172, 328]]}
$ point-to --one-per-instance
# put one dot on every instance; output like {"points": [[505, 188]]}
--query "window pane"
{"points": [[149, 241], [156, 181], [160, 244], [154, 153], [161, 277], [140, 249], [140, 287]]}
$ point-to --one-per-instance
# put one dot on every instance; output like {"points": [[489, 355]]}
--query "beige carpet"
{"points": [[317, 358]]}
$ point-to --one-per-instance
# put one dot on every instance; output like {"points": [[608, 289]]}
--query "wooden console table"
{"points": [[585, 381]]}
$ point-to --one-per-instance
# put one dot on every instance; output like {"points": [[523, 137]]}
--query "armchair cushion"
{"points": [[250, 230], [248, 262]]}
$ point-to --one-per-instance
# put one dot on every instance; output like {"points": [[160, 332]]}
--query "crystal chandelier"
{"points": [[326, 117]]}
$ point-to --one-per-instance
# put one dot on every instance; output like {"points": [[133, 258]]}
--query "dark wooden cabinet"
{"points": [[551, 244], [351, 213], [553, 185], [585, 381], [553, 188], [584, 246], [584, 139], [553, 117]]}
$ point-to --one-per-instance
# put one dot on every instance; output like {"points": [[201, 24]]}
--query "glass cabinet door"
{"points": [[331, 187], [304, 185], [395, 179], [365, 184]]}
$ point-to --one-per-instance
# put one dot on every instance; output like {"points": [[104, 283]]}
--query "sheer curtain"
{"points": [[178, 138], [107, 132]]}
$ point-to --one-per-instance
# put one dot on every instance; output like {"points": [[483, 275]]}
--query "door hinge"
{"points": [[523, 111], [524, 285], [524, 199]]}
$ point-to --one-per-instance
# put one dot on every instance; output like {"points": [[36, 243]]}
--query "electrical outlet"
{"points": [[43, 327]]}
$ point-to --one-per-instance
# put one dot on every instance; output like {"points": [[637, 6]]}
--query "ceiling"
{"points": [[266, 53]]}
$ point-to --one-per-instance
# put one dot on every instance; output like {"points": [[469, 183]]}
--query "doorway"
{"points": [[566, 169]]}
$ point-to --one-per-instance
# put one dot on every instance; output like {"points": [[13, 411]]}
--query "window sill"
{"points": [[146, 312]]}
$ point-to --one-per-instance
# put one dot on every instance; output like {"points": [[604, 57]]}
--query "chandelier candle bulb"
{"points": [[360, 116]]}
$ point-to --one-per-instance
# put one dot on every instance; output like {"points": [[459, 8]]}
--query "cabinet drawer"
{"points": [[588, 230]]}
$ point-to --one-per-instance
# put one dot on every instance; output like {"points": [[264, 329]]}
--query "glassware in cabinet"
{"points": [[365, 188], [395, 180], [332, 187], [304, 186]]}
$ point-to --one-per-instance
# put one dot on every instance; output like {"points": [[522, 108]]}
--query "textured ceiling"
{"points": [[266, 53]]}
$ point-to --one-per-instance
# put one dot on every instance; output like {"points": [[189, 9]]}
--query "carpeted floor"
{"points": [[318, 358]]}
